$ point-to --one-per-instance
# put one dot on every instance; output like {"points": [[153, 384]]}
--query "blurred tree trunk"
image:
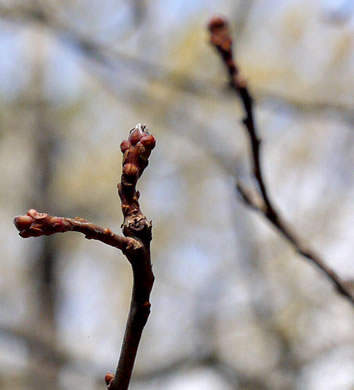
{"points": [[47, 251]]}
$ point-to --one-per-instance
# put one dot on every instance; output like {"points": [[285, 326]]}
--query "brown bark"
{"points": [[220, 38], [135, 245]]}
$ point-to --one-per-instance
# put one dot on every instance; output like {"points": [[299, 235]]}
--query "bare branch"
{"points": [[220, 38], [136, 151], [35, 224], [135, 245]]}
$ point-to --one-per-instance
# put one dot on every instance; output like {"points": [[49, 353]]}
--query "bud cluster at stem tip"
{"points": [[136, 151], [139, 134], [35, 224], [23, 222]]}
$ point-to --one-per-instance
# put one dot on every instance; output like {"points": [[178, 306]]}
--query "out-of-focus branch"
{"points": [[107, 57], [220, 38], [135, 245], [47, 253]]}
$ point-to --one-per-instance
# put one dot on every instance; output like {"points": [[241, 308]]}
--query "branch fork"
{"points": [[135, 245]]}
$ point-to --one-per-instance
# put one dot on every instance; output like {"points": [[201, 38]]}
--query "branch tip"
{"points": [[136, 151], [216, 22]]}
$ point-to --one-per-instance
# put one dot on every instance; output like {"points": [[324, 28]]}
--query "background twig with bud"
{"points": [[220, 38]]}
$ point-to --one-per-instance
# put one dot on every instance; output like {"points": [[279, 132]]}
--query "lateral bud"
{"points": [[125, 145], [148, 141], [32, 212], [130, 169]]}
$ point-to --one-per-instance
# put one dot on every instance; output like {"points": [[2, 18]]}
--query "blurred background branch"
{"points": [[112, 60], [220, 38]]}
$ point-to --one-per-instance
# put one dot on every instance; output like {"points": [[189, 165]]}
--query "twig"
{"points": [[135, 245], [220, 38], [135, 159], [35, 224]]}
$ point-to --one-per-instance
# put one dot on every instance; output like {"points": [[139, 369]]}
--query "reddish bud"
{"points": [[125, 145], [57, 222], [34, 232], [23, 222], [216, 22], [108, 378], [26, 233], [40, 216], [32, 212], [148, 141], [130, 169], [135, 136]]}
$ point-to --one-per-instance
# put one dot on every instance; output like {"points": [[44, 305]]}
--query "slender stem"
{"points": [[138, 315], [35, 224], [221, 39], [136, 151]]}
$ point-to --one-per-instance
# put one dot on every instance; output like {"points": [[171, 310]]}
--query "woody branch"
{"points": [[220, 38], [135, 244]]}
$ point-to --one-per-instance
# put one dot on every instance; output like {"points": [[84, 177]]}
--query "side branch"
{"points": [[220, 38], [35, 224], [135, 245]]}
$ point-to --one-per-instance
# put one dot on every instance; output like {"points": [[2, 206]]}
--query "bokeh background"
{"points": [[233, 307]]}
